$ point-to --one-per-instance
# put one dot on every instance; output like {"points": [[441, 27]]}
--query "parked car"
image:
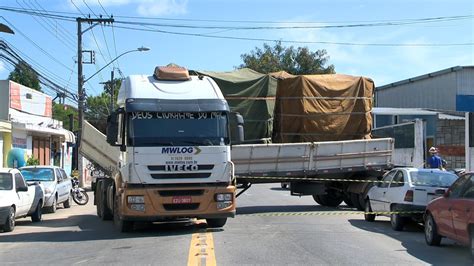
{"points": [[406, 191], [451, 215], [18, 199], [57, 184]]}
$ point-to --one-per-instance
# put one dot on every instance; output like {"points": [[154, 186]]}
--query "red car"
{"points": [[452, 216]]}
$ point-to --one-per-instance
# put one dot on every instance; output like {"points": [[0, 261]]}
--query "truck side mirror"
{"points": [[112, 129], [236, 122]]}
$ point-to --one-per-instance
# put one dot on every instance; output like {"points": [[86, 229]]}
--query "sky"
{"points": [[386, 52]]}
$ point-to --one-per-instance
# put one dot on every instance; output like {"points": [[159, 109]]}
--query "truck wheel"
{"points": [[120, 224], [10, 222], [98, 198], [355, 201], [347, 200], [317, 199], [67, 203], [331, 199], [369, 217], [216, 222], [103, 211], [397, 221], [37, 215], [432, 237]]}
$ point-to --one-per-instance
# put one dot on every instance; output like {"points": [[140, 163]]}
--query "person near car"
{"points": [[435, 160]]}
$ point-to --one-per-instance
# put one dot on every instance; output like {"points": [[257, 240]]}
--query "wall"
{"points": [[450, 137], [29, 101]]}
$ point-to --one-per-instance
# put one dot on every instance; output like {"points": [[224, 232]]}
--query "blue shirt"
{"points": [[435, 161]]}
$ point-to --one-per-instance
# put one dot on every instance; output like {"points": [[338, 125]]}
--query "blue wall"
{"points": [[465, 103]]}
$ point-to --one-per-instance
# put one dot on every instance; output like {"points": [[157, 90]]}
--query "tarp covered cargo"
{"points": [[323, 108], [252, 94]]}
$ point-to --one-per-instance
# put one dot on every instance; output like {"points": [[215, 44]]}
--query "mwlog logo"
{"points": [[180, 150]]}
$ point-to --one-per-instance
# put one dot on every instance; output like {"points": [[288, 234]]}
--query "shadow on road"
{"points": [[290, 208], [412, 239], [92, 228]]}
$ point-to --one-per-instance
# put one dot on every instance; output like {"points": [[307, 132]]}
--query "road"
{"points": [[271, 227]]}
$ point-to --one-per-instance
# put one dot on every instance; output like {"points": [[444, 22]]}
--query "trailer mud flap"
{"points": [[307, 188]]}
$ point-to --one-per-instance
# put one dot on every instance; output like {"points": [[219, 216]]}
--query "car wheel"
{"points": [[67, 203], [432, 237], [368, 216], [471, 233], [53, 207], [37, 215], [10, 222], [397, 221]]}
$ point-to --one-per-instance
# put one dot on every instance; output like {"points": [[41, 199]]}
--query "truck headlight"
{"points": [[224, 204], [219, 197], [136, 199], [138, 207]]}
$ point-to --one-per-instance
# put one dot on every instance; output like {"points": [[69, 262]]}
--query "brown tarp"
{"points": [[323, 108]]}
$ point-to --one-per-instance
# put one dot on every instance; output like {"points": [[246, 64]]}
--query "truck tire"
{"points": [[347, 200], [10, 222], [37, 215], [120, 224], [330, 199], [355, 201], [101, 200], [317, 199], [369, 217], [216, 222]]}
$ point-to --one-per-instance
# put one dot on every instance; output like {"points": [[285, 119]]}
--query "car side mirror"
{"points": [[22, 189]]}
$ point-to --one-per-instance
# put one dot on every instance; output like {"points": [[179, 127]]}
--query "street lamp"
{"points": [[80, 105]]}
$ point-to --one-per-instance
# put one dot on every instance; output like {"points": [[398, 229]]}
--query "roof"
{"points": [[6, 170], [147, 87], [450, 117], [425, 76], [401, 111]]}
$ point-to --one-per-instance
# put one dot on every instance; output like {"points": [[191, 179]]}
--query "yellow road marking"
{"points": [[201, 250]]}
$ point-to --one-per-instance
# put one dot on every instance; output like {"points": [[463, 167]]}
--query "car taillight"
{"points": [[409, 196]]}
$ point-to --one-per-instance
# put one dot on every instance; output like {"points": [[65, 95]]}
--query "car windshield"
{"points": [[177, 129], [38, 174], [6, 181], [432, 179]]}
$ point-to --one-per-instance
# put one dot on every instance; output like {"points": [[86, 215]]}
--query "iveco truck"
{"points": [[167, 150]]}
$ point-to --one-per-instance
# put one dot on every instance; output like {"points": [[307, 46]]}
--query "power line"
{"points": [[65, 32]]}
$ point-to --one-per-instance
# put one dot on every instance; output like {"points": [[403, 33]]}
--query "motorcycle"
{"points": [[79, 195]]}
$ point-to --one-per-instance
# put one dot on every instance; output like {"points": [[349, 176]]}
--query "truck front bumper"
{"points": [[169, 203]]}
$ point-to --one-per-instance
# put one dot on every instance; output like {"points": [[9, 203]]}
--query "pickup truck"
{"points": [[18, 199]]}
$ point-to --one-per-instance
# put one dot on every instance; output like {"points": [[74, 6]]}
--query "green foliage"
{"points": [[32, 161], [25, 75], [61, 112], [296, 61], [98, 107]]}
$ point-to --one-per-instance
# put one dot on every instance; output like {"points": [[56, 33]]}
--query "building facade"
{"points": [[27, 126]]}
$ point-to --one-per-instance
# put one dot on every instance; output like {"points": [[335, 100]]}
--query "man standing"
{"points": [[435, 160]]}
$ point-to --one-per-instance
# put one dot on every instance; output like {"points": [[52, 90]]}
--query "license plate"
{"points": [[181, 200]]}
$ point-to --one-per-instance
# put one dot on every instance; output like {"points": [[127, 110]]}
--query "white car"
{"points": [[18, 199], [405, 192], [57, 184]]}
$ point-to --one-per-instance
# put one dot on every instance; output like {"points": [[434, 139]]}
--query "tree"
{"points": [[61, 112], [296, 61], [25, 75]]}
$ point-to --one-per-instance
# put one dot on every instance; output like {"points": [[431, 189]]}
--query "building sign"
{"points": [[19, 143]]}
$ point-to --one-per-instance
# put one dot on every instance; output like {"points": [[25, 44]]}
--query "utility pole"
{"points": [[80, 82], [112, 91]]}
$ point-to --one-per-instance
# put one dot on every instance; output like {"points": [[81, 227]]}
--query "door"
{"points": [[444, 217], [396, 191], [67, 181], [377, 195], [462, 209], [24, 201], [60, 186]]}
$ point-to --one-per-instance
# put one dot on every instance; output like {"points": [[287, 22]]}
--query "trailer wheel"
{"points": [[317, 199], [356, 202], [330, 199], [347, 200]]}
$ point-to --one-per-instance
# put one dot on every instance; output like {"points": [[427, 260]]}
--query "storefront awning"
{"points": [[5, 126], [68, 135]]}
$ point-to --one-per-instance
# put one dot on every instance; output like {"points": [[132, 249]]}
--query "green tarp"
{"points": [[252, 94]]}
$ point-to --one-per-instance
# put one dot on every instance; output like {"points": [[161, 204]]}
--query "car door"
{"points": [[396, 190], [462, 209], [23, 197], [60, 186], [377, 193], [67, 181], [444, 217]]}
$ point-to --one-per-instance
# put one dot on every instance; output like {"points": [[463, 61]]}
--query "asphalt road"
{"points": [[271, 227]]}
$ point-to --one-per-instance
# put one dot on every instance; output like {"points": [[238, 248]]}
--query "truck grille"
{"points": [[181, 207], [180, 175], [171, 193], [163, 167]]}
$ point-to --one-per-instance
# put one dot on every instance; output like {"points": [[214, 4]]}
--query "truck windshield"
{"points": [[6, 181], [177, 129], [38, 174]]}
